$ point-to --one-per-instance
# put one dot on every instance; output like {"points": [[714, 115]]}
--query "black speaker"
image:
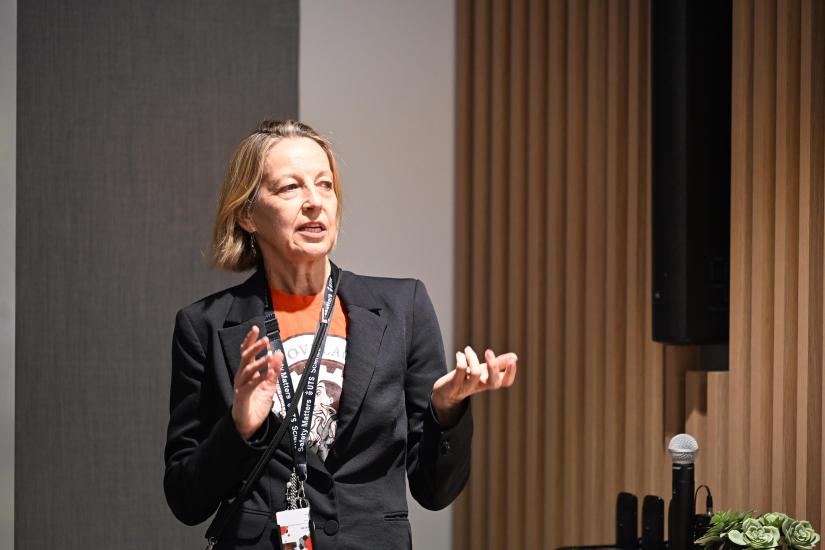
{"points": [[691, 99], [627, 520], [653, 523]]}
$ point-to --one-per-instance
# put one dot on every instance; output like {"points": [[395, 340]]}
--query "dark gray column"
{"points": [[127, 113], [8, 112]]}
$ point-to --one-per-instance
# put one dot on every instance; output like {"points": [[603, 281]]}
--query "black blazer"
{"points": [[386, 426]]}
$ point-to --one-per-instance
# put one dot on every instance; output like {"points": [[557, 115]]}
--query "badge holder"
{"points": [[294, 524]]}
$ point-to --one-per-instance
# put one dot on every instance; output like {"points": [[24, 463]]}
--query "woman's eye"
{"points": [[326, 184], [288, 187]]}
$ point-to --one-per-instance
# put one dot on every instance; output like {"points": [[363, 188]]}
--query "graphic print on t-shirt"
{"points": [[298, 319], [328, 392]]}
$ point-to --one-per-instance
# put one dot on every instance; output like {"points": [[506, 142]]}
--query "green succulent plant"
{"points": [[720, 524], [741, 530], [774, 519], [799, 534], [755, 535]]}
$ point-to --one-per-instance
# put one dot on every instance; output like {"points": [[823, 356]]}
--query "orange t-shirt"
{"points": [[298, 318]]}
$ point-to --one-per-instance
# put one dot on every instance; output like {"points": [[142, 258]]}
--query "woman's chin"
{"points": [[309, 252]]}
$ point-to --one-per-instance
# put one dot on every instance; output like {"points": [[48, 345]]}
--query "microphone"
{"points": [[683, 449]]}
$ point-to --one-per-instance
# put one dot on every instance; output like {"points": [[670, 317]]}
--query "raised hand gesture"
{"points": [[470, 377], [255, 383]]}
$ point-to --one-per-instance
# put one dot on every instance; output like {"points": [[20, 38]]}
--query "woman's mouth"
{"points": [[313, 228]]}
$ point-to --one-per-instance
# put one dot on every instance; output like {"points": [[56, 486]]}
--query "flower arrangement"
{"points": [[741, 530]]}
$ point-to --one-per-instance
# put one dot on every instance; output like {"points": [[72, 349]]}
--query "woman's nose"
{"points": [[312, 197]]}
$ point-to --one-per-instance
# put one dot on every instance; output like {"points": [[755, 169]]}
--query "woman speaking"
{"points": [[350, 369]]}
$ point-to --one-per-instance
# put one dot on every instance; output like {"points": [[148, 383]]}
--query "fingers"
{"points": [[497, 371], [476, 370], [250, 336], [493, 369], [473, 372], [251, 371], [276, 362], [251, 350], [251, 347], [461, 366], [265, 368], [511, 365]]}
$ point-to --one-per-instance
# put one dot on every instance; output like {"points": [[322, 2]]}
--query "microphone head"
{"points": [[683, 449]]}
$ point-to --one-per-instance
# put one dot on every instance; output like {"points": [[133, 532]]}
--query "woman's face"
{"points": [[293, 217]]}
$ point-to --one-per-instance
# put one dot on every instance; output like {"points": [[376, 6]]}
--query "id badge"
{"points": [[294, 526]]}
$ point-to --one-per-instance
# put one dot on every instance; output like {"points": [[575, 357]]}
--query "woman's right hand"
{"points": [[255, 383]]}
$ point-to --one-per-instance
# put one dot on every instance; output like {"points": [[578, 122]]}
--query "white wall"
{"points": [[8, 152], [378, 78]]}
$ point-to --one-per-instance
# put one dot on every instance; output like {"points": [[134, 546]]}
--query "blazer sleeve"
{"points": [[438, 457], [206, 457]]}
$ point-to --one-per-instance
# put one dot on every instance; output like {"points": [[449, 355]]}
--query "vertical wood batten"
{"points": [[802, 343], [817, 180], [697, 424], [616, 244], [556, 235], [497, 297], [594, 261], [656, 462], [719, 463], [536, 360], [574, 263], [786, 263], [637, 216], [464, 168], [817, 257], [818, 161], [696, 420], [735, 488], [762, 259], [479, 187], [516, 284]]}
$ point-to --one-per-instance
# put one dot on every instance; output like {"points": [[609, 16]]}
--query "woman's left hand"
{"points": [[470, 377]]}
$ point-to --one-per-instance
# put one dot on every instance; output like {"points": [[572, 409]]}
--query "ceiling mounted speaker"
{"points": [[691, 136]]}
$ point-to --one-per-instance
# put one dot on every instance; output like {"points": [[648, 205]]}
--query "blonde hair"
{"points": [[232, 247]]}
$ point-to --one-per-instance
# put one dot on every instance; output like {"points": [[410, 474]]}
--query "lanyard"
{"points": [[299, 424], [295, 492]]}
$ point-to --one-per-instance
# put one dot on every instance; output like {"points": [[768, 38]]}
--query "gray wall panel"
{"points": [[8, 113], [391, 117], [127, 112]]}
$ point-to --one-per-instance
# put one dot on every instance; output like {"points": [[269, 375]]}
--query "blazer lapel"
{"points": [[246, 311], [364, 336]]}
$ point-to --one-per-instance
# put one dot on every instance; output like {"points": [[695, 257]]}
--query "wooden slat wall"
{"points": [[763, 420], [553, 261]]}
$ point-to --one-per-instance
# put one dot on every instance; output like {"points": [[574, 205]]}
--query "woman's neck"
{"points": [[304, 279]]}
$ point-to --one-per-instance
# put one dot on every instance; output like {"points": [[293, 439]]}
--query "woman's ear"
{"points": [[245, 219]]}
